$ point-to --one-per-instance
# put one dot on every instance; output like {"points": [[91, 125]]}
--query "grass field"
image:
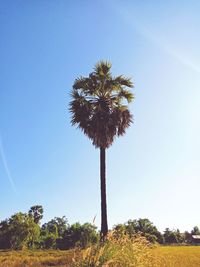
{"points": [[174, 256], [177, 256], [36, 258]]}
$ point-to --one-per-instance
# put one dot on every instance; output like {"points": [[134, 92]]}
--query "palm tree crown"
{"points": [[98, 105]]}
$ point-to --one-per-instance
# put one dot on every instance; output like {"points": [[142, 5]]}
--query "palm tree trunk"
{"points": [[104, 224]]}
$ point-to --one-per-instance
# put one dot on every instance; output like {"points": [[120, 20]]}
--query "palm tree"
{"points": [[98, 109]]}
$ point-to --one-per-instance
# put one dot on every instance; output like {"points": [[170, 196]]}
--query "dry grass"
{"points": [[121, 252], [117, 252], [36, 258], [177, 256]]}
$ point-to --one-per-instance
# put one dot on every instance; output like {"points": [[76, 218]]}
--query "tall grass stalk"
{"points": [[117, 251]]}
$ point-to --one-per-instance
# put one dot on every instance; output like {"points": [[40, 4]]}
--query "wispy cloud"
{"points": [[5, 164], [157, 39]]}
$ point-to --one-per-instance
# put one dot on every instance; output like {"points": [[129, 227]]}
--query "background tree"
{"points": [[78, 235], [52, 232], [173, 236], [98, 109], [61, 224], [36, 212], [187, 237], [19, 232], [143, 227], [5, 235], [195, 231]]}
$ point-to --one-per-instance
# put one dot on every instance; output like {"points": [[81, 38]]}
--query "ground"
{"points": [[164, 256]]}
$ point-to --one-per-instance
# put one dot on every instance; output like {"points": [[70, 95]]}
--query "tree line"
{"points": [[25, 231]]}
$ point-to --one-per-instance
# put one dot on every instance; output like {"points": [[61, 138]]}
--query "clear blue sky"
{"points": [[153, 171]]}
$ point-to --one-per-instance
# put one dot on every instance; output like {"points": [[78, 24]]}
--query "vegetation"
{"points": [[37, 258], [141, 226], [117, 251], [98, 108], [24, 231], [176, 256], [114, 253]]}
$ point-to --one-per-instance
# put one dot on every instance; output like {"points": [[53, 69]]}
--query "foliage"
{"points": [[195, 231], [36, 212], [53, 231], [22, 231], [78, 235], [98, 105], [48, 241], [5, 235], [173, 236], [140, 226], [56, 226], [19, 232]]}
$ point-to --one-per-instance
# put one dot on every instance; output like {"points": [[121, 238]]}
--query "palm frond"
{"points": [[80, 83], [102, 68], [127, 95], [97, 105], [124, 81], [88, 86]]}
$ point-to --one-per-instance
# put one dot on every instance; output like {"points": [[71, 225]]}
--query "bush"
{"points": [[78, 235], [19, 232], [49, 241]]}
